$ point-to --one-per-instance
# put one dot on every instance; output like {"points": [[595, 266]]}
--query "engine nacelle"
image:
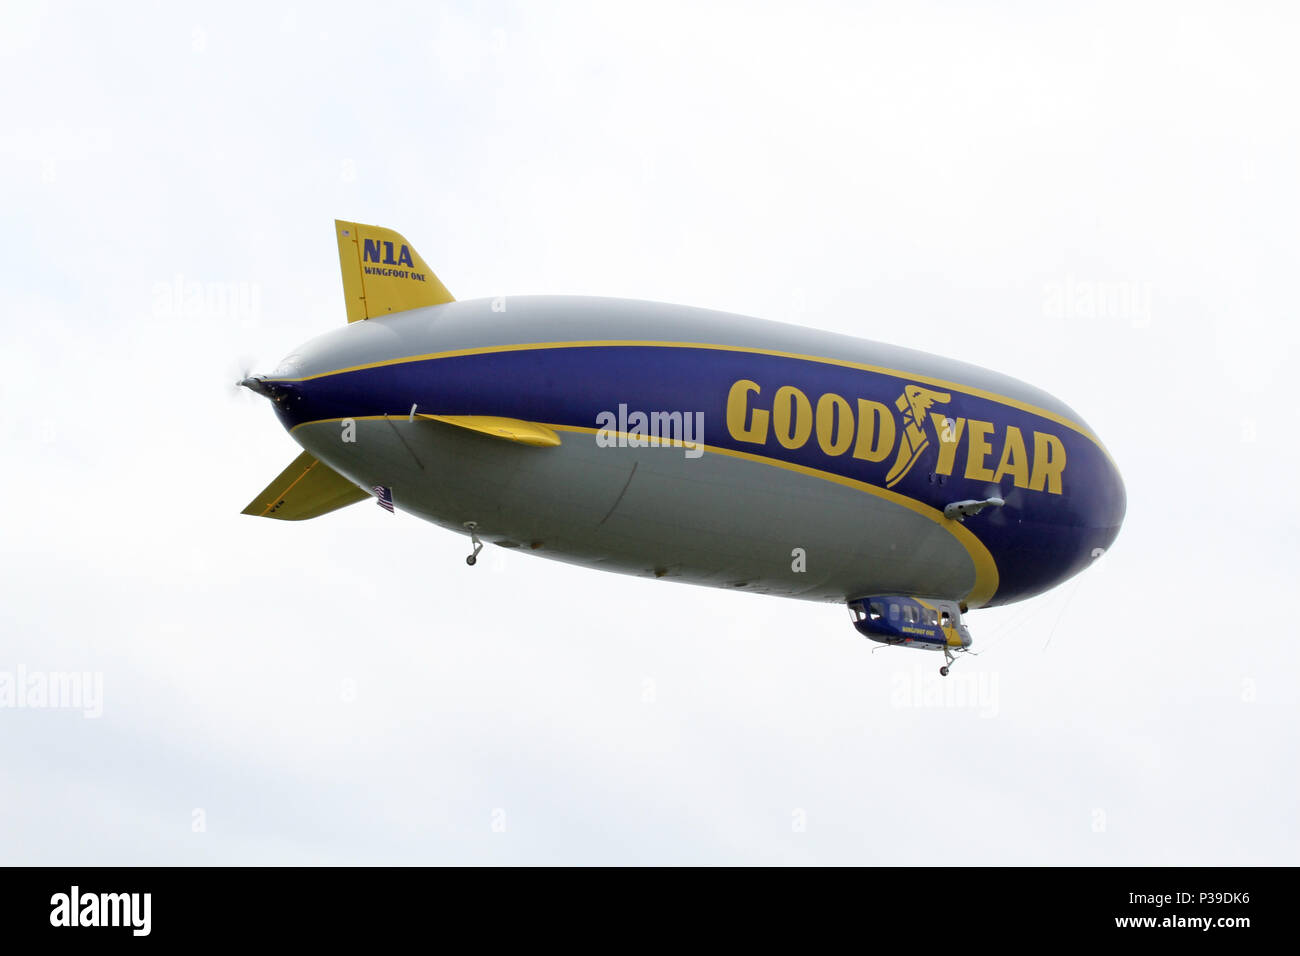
{"points": [[912, 622]]}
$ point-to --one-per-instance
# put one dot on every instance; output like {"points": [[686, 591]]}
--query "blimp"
{"points": [[691, 445]]}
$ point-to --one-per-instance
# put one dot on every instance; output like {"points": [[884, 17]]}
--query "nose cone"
{"points": [[1108, 509], [1094, 515], [257, 383], [1042, 538], [303, 387]]}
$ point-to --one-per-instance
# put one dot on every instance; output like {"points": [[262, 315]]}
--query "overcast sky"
{"points": [[1102, 203]]}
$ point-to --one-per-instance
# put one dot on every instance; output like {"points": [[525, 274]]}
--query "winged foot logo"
{"points": [[913, 403]]}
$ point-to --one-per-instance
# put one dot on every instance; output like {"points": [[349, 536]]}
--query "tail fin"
{"points": [[382, 273], [308, 488]]}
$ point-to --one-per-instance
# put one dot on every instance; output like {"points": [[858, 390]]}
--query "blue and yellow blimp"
{"points": [[691, 445]]}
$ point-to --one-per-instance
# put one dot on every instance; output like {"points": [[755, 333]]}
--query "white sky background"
{"points": [[348, 691]]}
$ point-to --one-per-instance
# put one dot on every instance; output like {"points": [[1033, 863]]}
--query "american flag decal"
{"points": [[383, 497]]}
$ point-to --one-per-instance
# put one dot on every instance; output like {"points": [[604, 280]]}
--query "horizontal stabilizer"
{"points": [[308, 488], [511, 429]]}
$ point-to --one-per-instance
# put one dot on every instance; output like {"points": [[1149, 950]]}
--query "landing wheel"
{"points": [[943, 671], [472, 528]]}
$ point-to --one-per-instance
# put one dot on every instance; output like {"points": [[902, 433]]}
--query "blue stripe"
{"points": [[1037, 540]]}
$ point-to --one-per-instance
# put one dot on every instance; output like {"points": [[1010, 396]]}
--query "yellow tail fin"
{"points": [[382, 273], [308, 488]]}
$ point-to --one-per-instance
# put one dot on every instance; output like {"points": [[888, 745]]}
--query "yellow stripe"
{"points": [[346, 418], [986, 569], [842, 363]]}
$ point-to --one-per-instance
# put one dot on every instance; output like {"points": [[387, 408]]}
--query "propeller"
{"points": [[238, 374]]}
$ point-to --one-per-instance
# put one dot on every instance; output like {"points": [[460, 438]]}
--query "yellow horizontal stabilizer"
{"points": [[511, 429], [382, 272], [306, 489]]}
